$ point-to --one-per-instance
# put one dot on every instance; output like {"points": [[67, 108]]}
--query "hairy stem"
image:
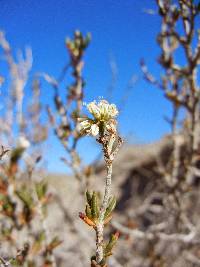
{"points": [[100, 224]]}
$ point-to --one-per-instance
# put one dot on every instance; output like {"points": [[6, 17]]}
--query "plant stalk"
{"points": [[100, 224]]}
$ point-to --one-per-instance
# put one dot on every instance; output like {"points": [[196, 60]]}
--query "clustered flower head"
{"points": [[103, 118]]}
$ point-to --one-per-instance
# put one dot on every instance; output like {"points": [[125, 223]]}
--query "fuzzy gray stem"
{"points": [[100, 224], [99, 242], [106, 192]]}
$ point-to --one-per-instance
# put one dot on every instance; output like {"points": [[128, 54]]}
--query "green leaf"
{"points": [[111, 205], [25, 197], [111, 244], [41, 189], [88, 211], [94, 206], [89, 197]]}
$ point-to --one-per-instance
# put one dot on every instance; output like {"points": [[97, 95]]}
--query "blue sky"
{"points": [[120, 30]]}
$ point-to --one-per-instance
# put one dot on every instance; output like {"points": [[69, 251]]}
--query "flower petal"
{"points": [[94, 130], [94, 110]]}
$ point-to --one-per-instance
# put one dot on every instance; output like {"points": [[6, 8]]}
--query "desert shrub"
{"points": [[163, 230]]}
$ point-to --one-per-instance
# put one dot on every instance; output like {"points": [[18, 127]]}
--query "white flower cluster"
{"points": [[103, 117]]}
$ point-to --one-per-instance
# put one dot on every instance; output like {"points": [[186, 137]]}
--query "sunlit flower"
{"points": [[23, 142], [102, 110], [103, 117], [94, 130]]}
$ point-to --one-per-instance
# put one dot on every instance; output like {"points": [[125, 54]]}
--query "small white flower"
{"points": [[113, 110], [94, 110], [103, 110], [88, 127], [104, 117], [85, 125], [23, 142], [94, 130]]}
